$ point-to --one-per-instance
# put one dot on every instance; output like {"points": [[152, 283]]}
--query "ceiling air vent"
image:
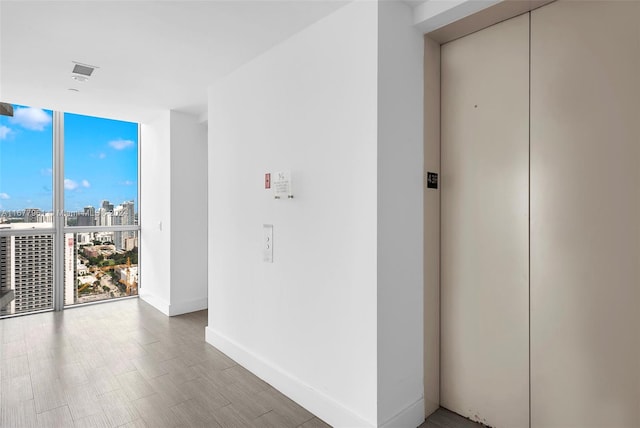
{"points": [[84, 70], [6, 109]]}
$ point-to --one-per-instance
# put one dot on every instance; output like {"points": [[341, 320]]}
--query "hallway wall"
{"points": [[305, 323], [335, 322], [173, 212]]}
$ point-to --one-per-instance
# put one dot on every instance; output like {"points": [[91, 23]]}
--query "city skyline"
{"points": [[81, 211], [101, 161], [97, 266]]}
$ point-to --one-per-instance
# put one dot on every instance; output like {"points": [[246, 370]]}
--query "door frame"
{"points": [[432, 42]]}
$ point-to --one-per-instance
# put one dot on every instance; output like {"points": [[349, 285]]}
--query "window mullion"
{"points": [[58, 208]]}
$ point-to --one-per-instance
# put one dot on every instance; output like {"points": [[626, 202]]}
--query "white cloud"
{"points": [[102, 156], [46, 171], [127, 183], [121, 144], [70, 184], [34, 119], [4, 132], [4, 196]]}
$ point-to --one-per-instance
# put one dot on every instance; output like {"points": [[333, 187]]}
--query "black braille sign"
{"points": [[432, 180]]}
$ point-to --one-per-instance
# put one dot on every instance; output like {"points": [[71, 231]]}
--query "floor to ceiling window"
{"points": [[68, 210], [26, 211]]}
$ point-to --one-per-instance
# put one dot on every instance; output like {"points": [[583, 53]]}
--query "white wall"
{"points": [[431, 15], [188, 214], [155, 208], [174, 191], [308, 105], [400, 218], [310, 323]]}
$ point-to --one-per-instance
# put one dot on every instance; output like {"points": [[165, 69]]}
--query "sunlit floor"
{"points": [[124, 364]]}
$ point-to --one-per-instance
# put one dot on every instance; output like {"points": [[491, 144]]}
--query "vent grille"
{"points": [[84, 70], [6, 109]]}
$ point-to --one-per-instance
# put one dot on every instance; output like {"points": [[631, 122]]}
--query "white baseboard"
{"points": [[156, 302], [185, 307], [410, 417], [318, 403]]}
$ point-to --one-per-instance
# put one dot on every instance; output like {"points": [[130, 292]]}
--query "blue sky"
{"points": [[101, 160]]}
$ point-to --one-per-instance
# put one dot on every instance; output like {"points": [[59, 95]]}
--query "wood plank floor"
{"points": [[124, 364], [444, 418]]}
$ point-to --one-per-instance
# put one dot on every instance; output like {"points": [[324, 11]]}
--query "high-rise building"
{"points": [[44, 217], [106, 205], [88, 217], [26, 267], [105, 214], [130, 243], [116, 220], [103, 217], [123, 215], [84, 238], [128, 213], [5, 271], [70, 258], [31, 215]]}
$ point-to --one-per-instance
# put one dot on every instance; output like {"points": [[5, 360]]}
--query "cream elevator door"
{"points": [[585, 215], [485, 225], [540, 219]]}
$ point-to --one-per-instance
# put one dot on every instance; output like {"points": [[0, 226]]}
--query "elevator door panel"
{"points": [[585, 215], [484, 225]]}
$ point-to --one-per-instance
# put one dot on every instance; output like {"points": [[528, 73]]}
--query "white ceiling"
{"points": [[153, 55]]}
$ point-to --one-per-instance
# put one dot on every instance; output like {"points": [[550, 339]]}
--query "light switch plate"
{"points": [[267, 243]]}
